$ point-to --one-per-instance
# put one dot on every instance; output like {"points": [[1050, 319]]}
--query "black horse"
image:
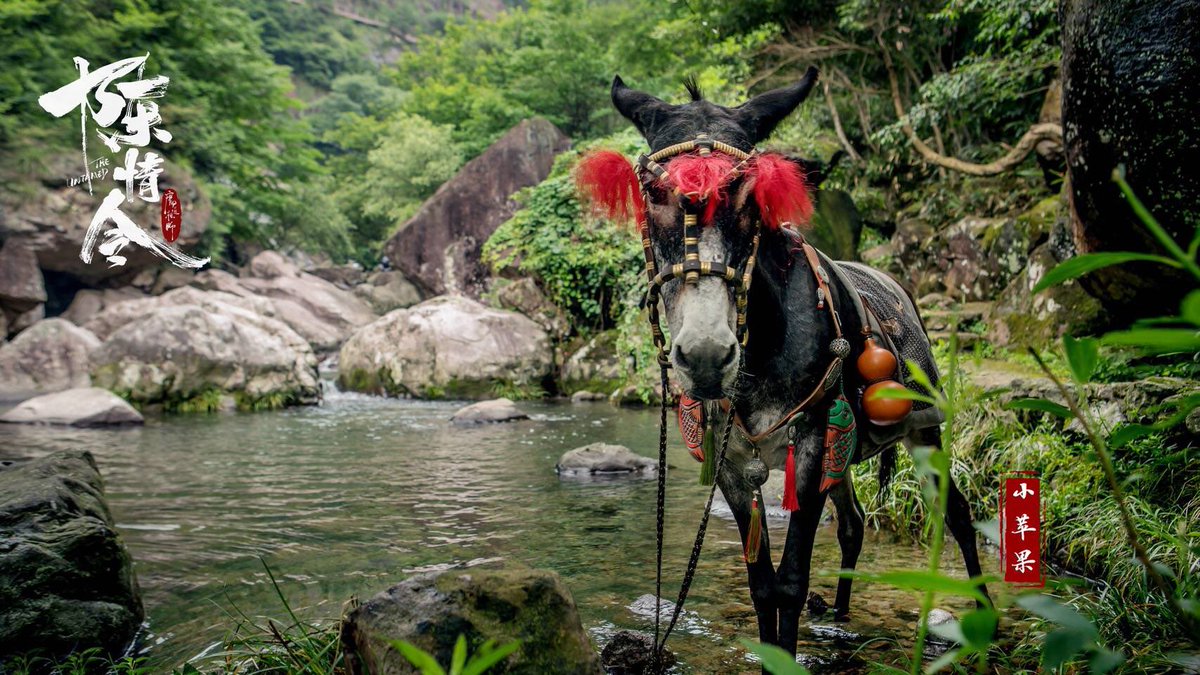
{"points": [[786, 358]]}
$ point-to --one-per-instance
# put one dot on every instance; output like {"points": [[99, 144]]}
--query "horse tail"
{"points": [[887, 470]]}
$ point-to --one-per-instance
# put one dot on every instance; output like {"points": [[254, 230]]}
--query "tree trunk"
{"points": [[1131, 83]]}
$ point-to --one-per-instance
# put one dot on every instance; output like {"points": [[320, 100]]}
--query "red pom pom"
{"points": [[780, 191], [703, 176], [607, 180]]}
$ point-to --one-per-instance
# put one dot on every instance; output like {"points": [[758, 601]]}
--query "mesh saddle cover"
{"points": [[894, 318]]}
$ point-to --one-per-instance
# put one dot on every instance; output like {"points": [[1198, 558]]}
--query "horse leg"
{"points": [[958, 512], [850, 538], [761, 573], [795, 566]]}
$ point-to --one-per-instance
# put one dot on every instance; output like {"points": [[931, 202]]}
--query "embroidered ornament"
{"points": [[841, 437], [691, 425]]}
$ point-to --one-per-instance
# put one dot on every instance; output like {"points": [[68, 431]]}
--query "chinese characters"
{"points": [[1020, 522], [134, 113]]}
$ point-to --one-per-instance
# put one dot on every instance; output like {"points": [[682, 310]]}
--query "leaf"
{"points": [[904, 393], [1190, 309], [1050, 609], [488, 656], [459, 658], [1156, 340], [951, 630], [1082, 356], [1073, 268], [979, 627], [775, 660], [419, 658], [920, 376], [1129, 432], [1040, 405], [1103, 660], [1062, 644], [920, 580], [950, 657]]}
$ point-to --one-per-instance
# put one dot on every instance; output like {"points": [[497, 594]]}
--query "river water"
{"points": [[350, 497]]}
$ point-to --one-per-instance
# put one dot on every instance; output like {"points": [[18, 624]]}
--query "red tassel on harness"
{"points": [[790, 501], [704, 177], [608, 181], [781, 191]]}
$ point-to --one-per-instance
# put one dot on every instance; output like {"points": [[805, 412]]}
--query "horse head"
{"points": [[708, 167]]}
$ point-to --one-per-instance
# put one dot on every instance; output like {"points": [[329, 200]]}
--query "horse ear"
{"points": [[759, 116], [645, 111]]}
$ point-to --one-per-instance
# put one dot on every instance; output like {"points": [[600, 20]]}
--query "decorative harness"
{"points": [[840, 435]]}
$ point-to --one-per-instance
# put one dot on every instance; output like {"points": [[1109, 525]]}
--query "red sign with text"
{"points": [[1021, 530], [172, 215]]}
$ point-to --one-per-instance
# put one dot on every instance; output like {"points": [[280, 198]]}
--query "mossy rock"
{"points": [[432, 610]]}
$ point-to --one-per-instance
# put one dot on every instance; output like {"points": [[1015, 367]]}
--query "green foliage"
{"points": [[486, 656]]}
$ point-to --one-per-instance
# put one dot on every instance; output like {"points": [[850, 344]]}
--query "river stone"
{"points": [[630, 652], [315, 308], [66, 579], [89, 303], [496, 410], [21, 285], [51, 355], [587, 397], [431, 610], [451, 347], [123, 313], [81, 407], [180, 355], [603, 458], [386, 291]]}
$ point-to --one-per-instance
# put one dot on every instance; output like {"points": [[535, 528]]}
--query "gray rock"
{"points": [[447, 347], [525, 296], [21, 285], [88, 303], [596, 366], [495, 410], [123, 313], [631, 653], [66, 580], [345, 277], [173, 354], [82, 407], [387, 291], [587, 396], [51, 355], [18, 322], [603, 458], [315, 308], [439, 247], [432, 610]]}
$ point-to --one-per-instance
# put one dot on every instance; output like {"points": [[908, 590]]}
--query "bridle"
{"points": [[648, 171]]}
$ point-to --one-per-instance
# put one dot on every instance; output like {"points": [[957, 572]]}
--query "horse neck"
{"points": [[788, 349]]}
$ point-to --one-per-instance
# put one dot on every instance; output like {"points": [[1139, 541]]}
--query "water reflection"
{"points": [[345, 499]]}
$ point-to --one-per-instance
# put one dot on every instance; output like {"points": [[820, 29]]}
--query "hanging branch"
{"points": [[1036, 133], [837, 125]]}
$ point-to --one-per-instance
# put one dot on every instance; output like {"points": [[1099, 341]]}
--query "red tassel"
{"points": [[705, 177], [781, 191], [754, 536], [790, 501], [607, 179]]}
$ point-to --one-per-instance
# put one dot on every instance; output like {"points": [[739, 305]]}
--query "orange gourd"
{"points": [[885, 411], [876, 363]]}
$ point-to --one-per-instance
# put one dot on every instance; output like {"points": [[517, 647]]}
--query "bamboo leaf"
{"points": [[1051, 609], [1190, 309], [1073, 268], [1040, 405], [979, 627], [775, 660], [1156, 340], [419, 658], [488, 656], [459, 658], [1082, 356]]}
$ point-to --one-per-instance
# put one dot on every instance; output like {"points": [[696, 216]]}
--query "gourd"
{"points": [[878, 367]]}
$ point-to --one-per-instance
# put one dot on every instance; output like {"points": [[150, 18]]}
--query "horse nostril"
{"points": [[680, 358], [729, 357]]}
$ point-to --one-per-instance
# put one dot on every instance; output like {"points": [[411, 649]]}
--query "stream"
{"points": [[347, 498]]}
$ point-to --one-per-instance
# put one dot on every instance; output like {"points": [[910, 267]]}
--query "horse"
{"points": [[761, 324]]}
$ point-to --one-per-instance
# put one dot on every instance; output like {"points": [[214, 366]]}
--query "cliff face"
{"points": [[439, 248]]}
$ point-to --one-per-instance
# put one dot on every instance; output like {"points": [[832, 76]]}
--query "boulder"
{"points": [[431, 610], [596, 366], [316, 309], [21, 321], [632, 653], [587, 397], [495, 410], [66, 579], [81, 407], [51, 355], [185, 355], [386, 291], [21, 285], [89, 303], [525, 296], [450, 347], [51, 222], [1022, 318], [439, 247], [345, 277], [123, 313], [603, 459], [171, 277]]}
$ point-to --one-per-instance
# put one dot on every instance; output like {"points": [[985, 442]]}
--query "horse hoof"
{"points": [[841, 617]]}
